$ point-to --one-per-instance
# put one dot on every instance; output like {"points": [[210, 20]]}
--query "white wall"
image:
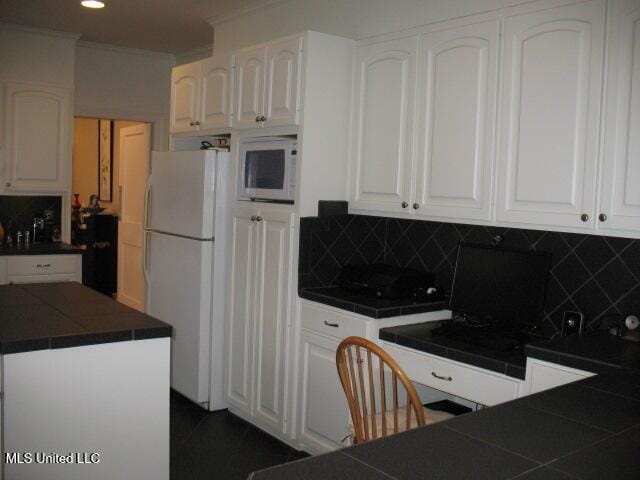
{"points": [[348, 18], [39, 56], [124, 84]]}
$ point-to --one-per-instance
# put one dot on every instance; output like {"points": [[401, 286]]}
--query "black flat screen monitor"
{"points": [[500, 285]]}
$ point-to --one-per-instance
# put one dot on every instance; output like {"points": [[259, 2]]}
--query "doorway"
{"points": [[111, 161]]}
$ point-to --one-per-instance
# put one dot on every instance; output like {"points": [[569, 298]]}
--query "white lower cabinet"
{"points": [[258, 317], [543, 375], [323, 412], [40, 268]]}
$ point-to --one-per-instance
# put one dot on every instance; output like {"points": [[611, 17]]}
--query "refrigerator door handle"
{"points": [[145, 215], [145, 255]]}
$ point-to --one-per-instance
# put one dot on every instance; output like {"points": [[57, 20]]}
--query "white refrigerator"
{"points": [[186, 214]]}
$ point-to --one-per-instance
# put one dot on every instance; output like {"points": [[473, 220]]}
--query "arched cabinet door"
{"points": [[551, 108], [185, 85], [249, 88], [620, 204], [458, 83], [282, 100], [383, 125], [216, 86], [37, 138]]}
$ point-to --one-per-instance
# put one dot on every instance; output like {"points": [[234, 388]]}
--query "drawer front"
{"points": [[329, 322], [41, 265], [477, 385], [544, 375], [56, 277]]}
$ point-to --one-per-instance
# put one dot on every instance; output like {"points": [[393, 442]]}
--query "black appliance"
{"points": [[388, 281], [100, 259], [498, 295]]}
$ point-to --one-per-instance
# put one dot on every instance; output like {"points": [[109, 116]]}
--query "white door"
{"points": [[182, 193], [456, 127], [282, 99], [215, 92], [185, 92], [323, 412], [37, 138], [549, 133], [620, 207], [179, 293], [240, 308], [383, 125], [134, 144], [249, 88], [272, 315]]}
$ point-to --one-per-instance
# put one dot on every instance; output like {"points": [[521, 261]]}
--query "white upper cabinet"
{"points": [[383, 125], [283, 82], [249, 89], [620, 203], [216, 80], [185, 93], [37, 136], [551, 84], [201, 95], [457, 83]]}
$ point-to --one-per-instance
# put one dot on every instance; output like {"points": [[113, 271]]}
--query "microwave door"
{"points": [[266, 173]]}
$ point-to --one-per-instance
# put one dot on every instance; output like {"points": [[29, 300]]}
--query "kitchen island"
{"points": [[85, 386]]}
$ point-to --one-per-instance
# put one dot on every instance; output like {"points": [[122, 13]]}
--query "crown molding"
{"points": [[204, 51], [39, 31], [126, 50], [247, 9]]}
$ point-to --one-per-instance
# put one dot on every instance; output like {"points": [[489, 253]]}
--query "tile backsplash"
{"points": [[17, 211], [593, 274]]}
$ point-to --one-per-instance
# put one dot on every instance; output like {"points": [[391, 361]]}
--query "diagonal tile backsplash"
{"points": [[595, 275]]}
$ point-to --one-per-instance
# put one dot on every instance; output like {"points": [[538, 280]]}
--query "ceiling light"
{"points": [[92, 4]]}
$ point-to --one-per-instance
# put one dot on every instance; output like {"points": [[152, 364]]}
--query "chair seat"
{"points": [[430, 416]]}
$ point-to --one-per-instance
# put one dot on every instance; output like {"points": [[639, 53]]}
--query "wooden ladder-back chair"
{"points": [[366, 390]]}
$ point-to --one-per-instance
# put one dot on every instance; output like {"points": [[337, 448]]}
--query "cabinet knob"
{"points": [[258, 119], [416, 206], [258, 218], [584, 217], [253, 218], [193, 124], [263, 118], [602, 217], [197, 123], [8, 184], [404, 204]]}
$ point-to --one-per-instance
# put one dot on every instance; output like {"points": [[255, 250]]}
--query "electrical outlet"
{"points": [[572, 323]]}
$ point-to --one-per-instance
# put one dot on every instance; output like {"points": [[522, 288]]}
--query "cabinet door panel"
{"points": [[240, 325], [382, 132], [249, 80], [551, 97], [272, 318], [458, 81], [283, 82], [621, 173], [185, 86], [215, 98], [37, 122], [323, 411]]}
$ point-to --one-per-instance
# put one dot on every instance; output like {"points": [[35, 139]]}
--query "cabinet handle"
{"points": [[329, 324], [584, 217], [40, 265], [404, 204], [253, 218], [602, 217], [416, 206], [440, 377], [258, 218]]}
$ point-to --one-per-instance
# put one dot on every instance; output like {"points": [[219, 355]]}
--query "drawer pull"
{"points": [[329, 324], [43, 265], [440, 377]]}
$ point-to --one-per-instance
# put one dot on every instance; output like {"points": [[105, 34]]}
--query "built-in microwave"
{"points": [[267, 169]]}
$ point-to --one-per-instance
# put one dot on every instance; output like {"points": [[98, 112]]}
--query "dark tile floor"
{"points": [[219, 445]]}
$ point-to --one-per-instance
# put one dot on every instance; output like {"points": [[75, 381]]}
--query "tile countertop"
{"points": [[584, 430], [41, 316], [345, 299], [58, 248]]}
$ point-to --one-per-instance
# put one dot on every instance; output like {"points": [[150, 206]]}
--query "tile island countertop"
{"points": [[42, 316], [57, 248], [584, 430]]}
